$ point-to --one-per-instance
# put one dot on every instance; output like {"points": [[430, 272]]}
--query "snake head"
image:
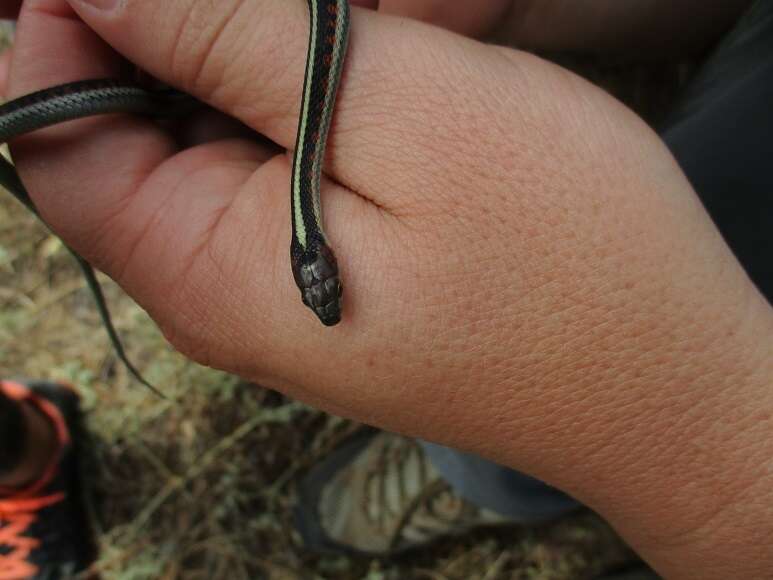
{"points": [[316, 274]]}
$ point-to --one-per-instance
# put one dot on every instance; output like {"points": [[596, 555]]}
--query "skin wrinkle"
{"points": [[207, 75], [432, 138], [157, 178], [107, 232], [665, 436], [278, 121], [196, 48], [190, 262], [195, 320], [229, 333], [234, 42], [119, 268], [117, 206], [711, 520], [180, 31], [159, 215], [149, 229], [187, 335], [399, 110], [455, 306], [236, 89], [204, 247]]}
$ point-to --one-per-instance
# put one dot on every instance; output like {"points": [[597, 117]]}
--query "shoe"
{"points": [[44, 529], [378, 494]]}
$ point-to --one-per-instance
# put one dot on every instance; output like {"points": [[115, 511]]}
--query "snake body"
{"points": [[313, 263]]}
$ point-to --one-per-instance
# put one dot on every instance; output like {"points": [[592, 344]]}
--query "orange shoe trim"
{"points": [[19, 392], [18, 508]]}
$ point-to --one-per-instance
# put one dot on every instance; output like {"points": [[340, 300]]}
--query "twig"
{"points": [[175, 484], [496, 567]]}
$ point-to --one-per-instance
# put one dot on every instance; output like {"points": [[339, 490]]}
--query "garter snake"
{"points": [[313, 263]]}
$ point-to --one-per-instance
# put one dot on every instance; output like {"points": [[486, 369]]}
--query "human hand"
{"points": [[527, 273]]}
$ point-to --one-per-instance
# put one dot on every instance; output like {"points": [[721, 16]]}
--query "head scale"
{"points": [[316, 274]]}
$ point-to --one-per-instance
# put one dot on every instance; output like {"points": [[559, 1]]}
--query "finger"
{"points": [[205, 51], [48, 29], [89, 178], [247, 59]]}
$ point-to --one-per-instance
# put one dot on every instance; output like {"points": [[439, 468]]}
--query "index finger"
{"points": [[247, 59]]}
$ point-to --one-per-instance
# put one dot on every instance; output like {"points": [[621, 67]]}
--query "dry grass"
{"points": [[201, 485]]}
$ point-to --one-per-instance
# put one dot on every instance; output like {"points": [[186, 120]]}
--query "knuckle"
{"points": [[205, 43], [226, 52]]}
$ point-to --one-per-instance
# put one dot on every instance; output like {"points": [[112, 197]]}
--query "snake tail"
{"points": [[107, 321], [74, 101]]}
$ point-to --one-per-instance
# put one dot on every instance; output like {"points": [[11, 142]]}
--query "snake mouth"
{"points": [[316, 275]]}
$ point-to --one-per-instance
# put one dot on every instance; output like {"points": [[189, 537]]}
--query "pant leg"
{"points": [[500, 489], [11, 433], [721, 133]]}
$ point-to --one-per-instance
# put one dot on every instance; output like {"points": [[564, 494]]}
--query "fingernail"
{"points": [[104, 5]]}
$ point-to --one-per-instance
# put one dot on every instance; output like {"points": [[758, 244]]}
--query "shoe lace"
{"points": [[16, 516], [400, 486]]}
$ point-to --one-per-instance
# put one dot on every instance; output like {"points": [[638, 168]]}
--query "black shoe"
{"points": [[44, 529]]}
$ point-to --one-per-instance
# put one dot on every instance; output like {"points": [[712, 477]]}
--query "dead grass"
{"points": [[201, 485]]}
